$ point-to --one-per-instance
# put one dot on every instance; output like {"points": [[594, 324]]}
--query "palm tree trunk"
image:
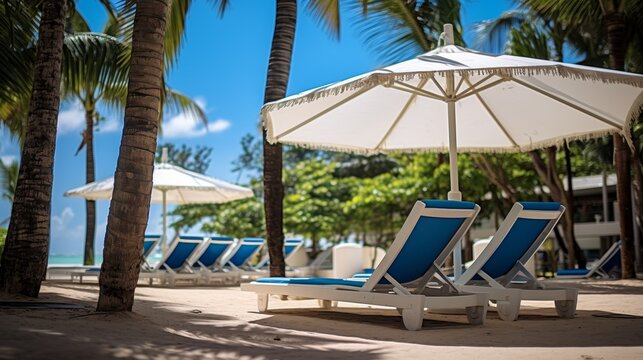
{"points": [[617, 44], [24, 260], [130, 205], [277, 80], [90, 205]]}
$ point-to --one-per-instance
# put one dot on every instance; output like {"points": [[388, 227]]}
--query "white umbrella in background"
{"points": [[503, 104], [171, 185]]}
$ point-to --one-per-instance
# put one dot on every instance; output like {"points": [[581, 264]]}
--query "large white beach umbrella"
{"points": [[171, 185], [494, 103]]}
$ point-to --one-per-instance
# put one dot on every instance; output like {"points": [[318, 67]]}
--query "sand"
{"points": [[223, 323]]}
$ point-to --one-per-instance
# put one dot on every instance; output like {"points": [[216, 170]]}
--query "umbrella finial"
{"points": [[448, 34], [164, 155]]}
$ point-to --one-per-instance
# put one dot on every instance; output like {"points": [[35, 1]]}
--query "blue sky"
{"points": [[223, 65]]}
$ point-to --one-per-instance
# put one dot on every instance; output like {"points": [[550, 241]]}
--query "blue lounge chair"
{"points": [[421, 246], [290, 247], [208, 262], [80, 272], [176, 263], [149, 244], [608, 266], [241, 255], [500, 269]]}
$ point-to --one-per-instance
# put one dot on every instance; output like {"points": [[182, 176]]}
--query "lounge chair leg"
{"points": [[262, 302], [566, 308], [476, 315], [508, 310], [413, 318]]}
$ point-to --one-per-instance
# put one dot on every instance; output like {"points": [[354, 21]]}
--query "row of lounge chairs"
{"points": [[196, 259], [410, 279]]}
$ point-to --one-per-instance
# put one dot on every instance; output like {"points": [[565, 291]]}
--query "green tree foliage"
{"points": [[194, 159], [3, 235]]}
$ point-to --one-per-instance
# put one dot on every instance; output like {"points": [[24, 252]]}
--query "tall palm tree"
{"points": [[130, 205], [92, 72], [276, 82], [95, 71], [24, 259], [621, 19], [328, 13]]}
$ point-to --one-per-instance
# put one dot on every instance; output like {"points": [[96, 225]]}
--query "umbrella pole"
{"points": [[455, 193], [164, 237]]}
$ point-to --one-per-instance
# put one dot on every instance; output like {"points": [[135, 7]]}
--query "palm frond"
{"points": [[91, 63], [174, 34], [8, 179], [569, 11], [18, 28], [528, 41], [492, 35], [327, 13], [176, 102], [221, 5], [399, 29]]}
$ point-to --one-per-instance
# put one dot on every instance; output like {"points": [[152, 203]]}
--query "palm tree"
{"points": [[129, 208], [328, 13], [95, 70], [92, 72], [276, 82], [621, 19], [24, 259]]}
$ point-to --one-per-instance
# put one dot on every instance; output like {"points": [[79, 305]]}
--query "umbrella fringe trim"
{"points": [[557, 142], [385, 79]]}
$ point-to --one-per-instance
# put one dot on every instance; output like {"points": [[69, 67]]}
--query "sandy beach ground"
{"points": [[223, 323]]}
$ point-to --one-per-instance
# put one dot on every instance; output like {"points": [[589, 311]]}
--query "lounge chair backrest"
{"points": [[179, 251], [246, 248], [292, 245], [520, 235], [214, 249], [423, 243], [611, 263], [149, 243]]}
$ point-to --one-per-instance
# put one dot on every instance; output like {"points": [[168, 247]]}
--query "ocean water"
{"points": [[70, 259]]}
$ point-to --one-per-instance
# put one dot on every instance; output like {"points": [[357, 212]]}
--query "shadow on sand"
{"points": [[179, 334]]}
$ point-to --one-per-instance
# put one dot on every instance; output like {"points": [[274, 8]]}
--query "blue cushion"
{"points": [[152, 236], [180, 254], [245, 251], [211, 254], [310, 281], [568, 272], [254, 240], [191, 237], [613, 263], [519, 239], [362, 276], [147, 246], [448, 204], [426, 241], [546, 206]]}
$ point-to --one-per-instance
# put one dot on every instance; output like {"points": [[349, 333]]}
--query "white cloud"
{"points": [[7, 159], [184, 125], [72, 118], [62, 227], [109, 126]]}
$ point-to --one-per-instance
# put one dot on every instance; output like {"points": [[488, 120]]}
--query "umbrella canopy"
{"points": [[180, 186], [502, 103], [171, 185]]}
